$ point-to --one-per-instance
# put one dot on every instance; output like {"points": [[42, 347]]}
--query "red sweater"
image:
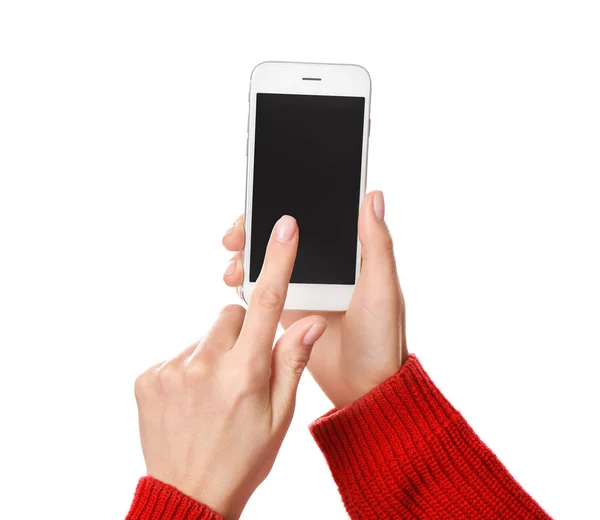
{"points": [[400, 452]]}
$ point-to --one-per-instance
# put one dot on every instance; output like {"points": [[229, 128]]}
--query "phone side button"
{"points": [[369, 127], [246, 147]]}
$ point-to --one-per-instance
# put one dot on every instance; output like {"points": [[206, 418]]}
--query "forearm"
{"points": [[402, 451]]}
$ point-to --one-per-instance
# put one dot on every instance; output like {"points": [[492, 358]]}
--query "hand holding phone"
{"points": [[365, 345]]}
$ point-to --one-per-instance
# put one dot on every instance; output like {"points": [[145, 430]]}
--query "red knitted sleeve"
{"points": [[403, 452], [155, 500]]}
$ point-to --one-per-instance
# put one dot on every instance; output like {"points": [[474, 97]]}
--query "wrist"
{"points": [[356, 388], [153, 495], [224, 502]]}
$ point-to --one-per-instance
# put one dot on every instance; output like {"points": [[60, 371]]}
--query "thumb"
{"points": [[290, 357], [378, 278]]}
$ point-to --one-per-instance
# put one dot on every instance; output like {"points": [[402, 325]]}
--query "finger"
{"points": [[222, 335], [148, 376], [268, 297], [290, 357], [179, 362], [378, 280], [184, 355], [288, 318], [234, 273], [235, 236]]}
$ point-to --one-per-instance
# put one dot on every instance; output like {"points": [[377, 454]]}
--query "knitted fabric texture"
{"points": [[400, 452], [403, 452], [155, 500]]}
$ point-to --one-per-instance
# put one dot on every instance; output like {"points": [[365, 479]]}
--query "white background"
{"points": [[122, 139]]}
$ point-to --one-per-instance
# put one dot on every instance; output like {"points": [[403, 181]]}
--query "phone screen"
{"points": [[307, 164]]}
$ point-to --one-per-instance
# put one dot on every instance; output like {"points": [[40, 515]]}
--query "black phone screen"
{"points": [[307, 164]]}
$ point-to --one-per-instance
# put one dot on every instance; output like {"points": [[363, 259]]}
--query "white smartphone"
{"points": [[308, 133]]}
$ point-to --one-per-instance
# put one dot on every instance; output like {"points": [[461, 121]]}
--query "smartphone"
{"points": [[308, 134]]}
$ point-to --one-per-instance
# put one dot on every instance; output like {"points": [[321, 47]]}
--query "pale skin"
{"points": [[365, 345], [213, 418]]}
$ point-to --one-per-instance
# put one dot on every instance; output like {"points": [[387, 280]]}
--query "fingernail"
{"points": [[379, 206], [230, 230], [314, 333], [231, 266], [286, 227]]}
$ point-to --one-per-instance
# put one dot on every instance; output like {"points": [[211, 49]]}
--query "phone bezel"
{"points": [[287, 78]]}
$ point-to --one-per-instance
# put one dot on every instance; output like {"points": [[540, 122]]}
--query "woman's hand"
{"points": [[365, 345], [213, 418]]}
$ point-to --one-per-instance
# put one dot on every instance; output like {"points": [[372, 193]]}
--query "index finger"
{"points": [[268, 297]]}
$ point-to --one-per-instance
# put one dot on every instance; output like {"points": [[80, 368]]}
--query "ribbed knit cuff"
{"points": [[393, 420], [155, 500], [403, 451]]}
